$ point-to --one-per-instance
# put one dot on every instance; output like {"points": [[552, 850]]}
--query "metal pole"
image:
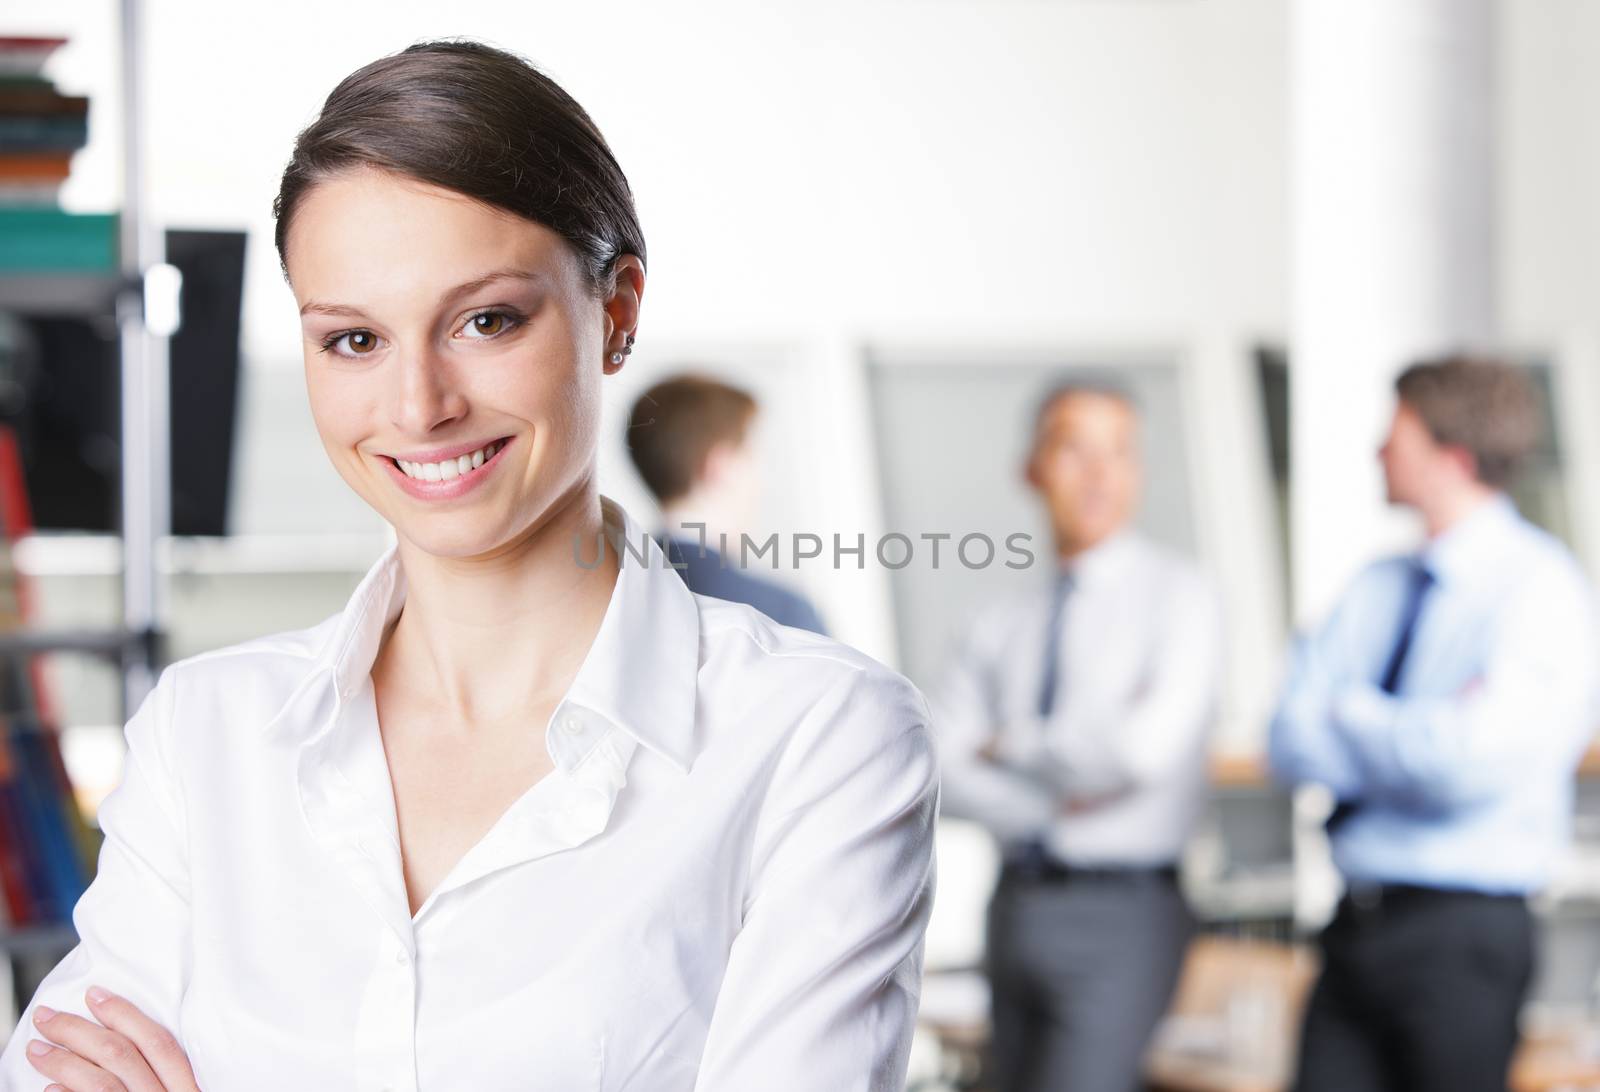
{"points": [[146, 437]]}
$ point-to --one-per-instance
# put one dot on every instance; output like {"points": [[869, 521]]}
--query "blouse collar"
{"points": [[640, 673]]}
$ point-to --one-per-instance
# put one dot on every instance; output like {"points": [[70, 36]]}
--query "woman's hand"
{"points": [[130, 1053]]}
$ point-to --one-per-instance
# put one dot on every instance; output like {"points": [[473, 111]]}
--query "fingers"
{"points": [[87, 1057], [70, 1072], [158, 1046]]}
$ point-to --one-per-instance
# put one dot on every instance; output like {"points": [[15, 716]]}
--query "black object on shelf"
{"points": [[61, 389]]}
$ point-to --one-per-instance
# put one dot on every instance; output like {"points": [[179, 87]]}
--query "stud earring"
{"points": [[616, 358]]}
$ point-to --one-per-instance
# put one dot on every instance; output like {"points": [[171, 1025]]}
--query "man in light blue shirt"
{"points": [[1446, 703]]}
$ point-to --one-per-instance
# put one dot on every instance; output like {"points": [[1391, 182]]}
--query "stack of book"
{"points": [[40, 127]]}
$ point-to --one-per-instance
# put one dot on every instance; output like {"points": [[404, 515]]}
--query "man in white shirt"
{"points": [[1073, 725]]}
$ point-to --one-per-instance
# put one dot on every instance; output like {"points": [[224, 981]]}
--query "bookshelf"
{"points": [[126, 283]]}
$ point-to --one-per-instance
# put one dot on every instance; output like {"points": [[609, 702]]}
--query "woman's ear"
{"points": [[622, 311]]}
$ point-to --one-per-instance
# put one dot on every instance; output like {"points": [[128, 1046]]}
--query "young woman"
{"points": [[526, 813]]}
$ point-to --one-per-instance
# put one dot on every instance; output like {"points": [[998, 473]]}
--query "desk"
{"points": [[1235, 1021], [1557, 1062]]}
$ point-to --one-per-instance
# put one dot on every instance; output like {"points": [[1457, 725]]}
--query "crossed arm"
{"points": [[1529, 711], [844, 860], [1015, 777], [132, 925], [118, 1049]]}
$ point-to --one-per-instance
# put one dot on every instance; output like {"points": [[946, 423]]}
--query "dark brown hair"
{"points": [[676, 423], [484, 123], [1483, 404]]}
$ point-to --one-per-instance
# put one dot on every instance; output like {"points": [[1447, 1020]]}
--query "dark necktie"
{"points": [[1052, 645], [1420, 580], [1030, 854]]}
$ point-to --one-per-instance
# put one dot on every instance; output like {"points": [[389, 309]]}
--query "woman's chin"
{"points": [[454, 543]]}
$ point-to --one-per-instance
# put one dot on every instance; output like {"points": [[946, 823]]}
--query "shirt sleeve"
{"points": [[1166, 723], [823, 979], [1529, 714], [1011, 801], [1302, 744], [133, 920]]}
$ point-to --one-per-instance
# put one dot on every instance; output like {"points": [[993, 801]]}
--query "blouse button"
{"points": [[571, 725], [400, 956]]}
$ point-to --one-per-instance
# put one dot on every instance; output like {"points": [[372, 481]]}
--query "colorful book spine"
{"points": [[22, 56], [36, 167], [40, 847], [64, 874], [34, 240], [27, 133], [17, 881], [85, 838], [41, 99]]}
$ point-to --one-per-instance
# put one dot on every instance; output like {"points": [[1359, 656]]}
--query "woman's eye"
{"points": [[356, 342], [487, 324]]}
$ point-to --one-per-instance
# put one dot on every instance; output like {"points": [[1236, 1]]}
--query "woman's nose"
{"points": [[425, 394]]}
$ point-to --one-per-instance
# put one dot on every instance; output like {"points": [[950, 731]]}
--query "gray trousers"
{"points": [[1081, 970]]}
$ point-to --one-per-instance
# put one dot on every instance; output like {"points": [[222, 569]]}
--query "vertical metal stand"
{"points": [[146, 428]]}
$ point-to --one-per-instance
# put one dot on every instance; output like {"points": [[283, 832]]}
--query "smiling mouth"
{"points": [[450, 469]]}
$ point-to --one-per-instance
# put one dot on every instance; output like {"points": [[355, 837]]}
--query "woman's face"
{"points": [[436, 328]]}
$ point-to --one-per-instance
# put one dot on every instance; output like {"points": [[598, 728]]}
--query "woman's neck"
{"points": [[483, 639]]}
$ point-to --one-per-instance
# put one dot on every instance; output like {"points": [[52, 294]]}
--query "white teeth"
{"points": [[450, 468]]}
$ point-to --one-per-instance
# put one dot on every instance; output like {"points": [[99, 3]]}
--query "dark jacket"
{"points": [[703, 570]]}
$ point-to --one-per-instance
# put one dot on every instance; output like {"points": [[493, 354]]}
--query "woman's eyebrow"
{"points": [[313, 307], [510, 274]]}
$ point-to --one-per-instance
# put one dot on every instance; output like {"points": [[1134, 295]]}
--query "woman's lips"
{"points": [[458, 486]]}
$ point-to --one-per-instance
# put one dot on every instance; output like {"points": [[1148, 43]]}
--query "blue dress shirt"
{"points": [[1465, 776]]}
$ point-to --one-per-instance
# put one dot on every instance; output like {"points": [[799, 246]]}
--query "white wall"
{"points": [[1549, 165], [1549, 212]]}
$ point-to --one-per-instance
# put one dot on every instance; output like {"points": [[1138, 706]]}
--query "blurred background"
{"points": [[892, 221]]}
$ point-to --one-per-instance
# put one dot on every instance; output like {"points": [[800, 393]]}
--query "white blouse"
{"points": [[722, 885]]}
